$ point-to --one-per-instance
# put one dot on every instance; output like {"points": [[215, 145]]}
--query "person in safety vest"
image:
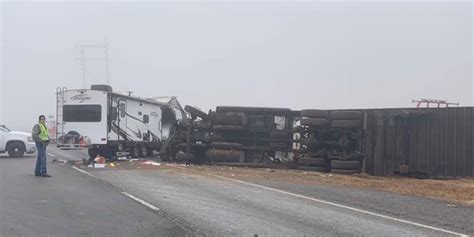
{"points": [[41, 138]]}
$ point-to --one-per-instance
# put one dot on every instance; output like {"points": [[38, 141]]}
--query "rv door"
{"points": [[122, 116]]}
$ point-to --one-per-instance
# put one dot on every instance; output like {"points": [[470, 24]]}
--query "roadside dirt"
{"points": [[460, 191]]}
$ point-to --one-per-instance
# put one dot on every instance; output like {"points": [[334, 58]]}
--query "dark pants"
{"points": [[41, 160]]}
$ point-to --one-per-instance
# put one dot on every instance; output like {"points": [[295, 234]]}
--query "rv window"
{"points": [[122, 110], [82, 113], [146, 119]]}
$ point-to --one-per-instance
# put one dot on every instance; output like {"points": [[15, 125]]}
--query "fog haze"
{"points": [[286, 54]]}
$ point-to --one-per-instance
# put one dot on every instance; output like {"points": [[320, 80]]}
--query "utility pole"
{"points": [[84, 59], [83, 64]]}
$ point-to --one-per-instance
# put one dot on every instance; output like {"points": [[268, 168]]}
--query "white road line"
{"points": [[343, 206], [84, 172], [124, 193], [51, 155], [141, 201]]}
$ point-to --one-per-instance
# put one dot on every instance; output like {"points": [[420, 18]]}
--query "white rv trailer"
{"points": [[107, 122]]}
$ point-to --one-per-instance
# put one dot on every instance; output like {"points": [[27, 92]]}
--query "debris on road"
{"points": [[100, 160], [96, 165]]}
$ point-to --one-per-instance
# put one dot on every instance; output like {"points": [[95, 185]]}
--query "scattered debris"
{"points": [[100, 160], [96, 165], [148, 162], [180, 166], [326, 175]]}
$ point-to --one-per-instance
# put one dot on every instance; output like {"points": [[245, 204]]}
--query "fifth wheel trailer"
{"points": [[107, 122]]}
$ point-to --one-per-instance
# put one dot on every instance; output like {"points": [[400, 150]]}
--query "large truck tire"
{"points": [[317, 122], [314, 113], [346, 164], [149, 152], [135, 151], [346, 115], [346, 124], [144, 151]]}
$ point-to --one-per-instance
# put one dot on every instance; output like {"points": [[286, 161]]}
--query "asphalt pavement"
{"points": [[71, 204], [213, 206]]}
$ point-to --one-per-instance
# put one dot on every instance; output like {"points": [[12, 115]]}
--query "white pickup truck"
{"points": [[15, 143]]}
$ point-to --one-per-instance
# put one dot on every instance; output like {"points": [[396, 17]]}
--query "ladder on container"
{"points": [[432, 101], [59, 112]]}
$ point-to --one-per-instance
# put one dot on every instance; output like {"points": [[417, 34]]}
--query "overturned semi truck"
{"points": [[234, 136], [316, 140]]}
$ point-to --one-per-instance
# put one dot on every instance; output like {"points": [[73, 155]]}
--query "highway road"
{"points": [[70, 204], [167, 201]]}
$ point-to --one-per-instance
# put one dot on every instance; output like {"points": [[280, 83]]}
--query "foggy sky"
{"points": [[285, 54]]}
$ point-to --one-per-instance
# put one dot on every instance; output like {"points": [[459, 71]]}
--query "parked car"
{"points": [[16, 143]]}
